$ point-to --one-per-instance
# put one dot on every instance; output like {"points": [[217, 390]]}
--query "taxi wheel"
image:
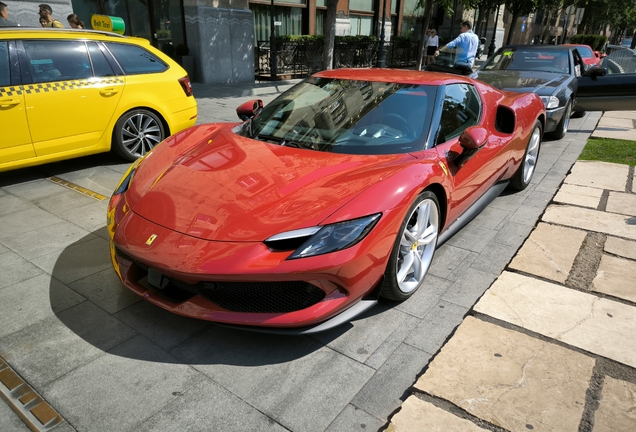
{"points": [[136, 133]]}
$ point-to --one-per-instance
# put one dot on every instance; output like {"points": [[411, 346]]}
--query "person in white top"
{"points": [[432, 44]]}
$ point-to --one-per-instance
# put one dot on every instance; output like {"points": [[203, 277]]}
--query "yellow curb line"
{"points": [[34, 411], [77, 188]]}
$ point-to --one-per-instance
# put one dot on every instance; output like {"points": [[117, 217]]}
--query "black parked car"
{"points": [[558, 75]]}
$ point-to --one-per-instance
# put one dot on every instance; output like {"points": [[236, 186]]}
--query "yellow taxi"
{"points": [[68, 93]]}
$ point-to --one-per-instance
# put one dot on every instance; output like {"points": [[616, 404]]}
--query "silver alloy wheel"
{"points": [[566, 118], [532, 154], [140, 134], [417, 246]]}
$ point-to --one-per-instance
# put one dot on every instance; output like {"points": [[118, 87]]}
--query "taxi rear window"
{"points": [[136, 60]]}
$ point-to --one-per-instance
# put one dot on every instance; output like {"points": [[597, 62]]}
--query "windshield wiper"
{"points": [[296, 144]]}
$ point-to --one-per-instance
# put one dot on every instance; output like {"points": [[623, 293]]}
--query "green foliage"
{"points": [[358, 38], [597, 42], [301, 38], [163, 34], [610, 150]]}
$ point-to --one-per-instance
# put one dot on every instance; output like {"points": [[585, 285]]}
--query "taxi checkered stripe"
{"points": [[56, 86]]}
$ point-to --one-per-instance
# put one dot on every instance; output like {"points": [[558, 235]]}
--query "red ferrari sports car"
{"points": [[336, 193]]}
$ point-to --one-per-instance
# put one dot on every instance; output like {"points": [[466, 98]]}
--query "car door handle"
{"points": [[108, 91], [4, 103]]}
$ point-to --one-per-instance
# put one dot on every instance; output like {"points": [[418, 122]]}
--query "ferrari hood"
{"points": [[232, 188], [541, 83]]}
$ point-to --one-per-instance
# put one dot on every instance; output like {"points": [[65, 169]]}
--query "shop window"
{"points": [[361, 5], [361, 25], [291, 19]]}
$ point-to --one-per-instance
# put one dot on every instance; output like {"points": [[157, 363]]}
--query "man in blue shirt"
{"points": [[467, 42]]}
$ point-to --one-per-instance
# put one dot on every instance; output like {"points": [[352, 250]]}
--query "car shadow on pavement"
{"points": [[92, 303]]}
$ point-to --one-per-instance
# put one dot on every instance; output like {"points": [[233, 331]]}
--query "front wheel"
{"points": [[136, 133], [563, 125], [413, 249], [524, 173]]}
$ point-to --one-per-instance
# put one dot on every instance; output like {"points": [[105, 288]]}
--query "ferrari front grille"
{"points": [[250, 297], [257, 297]]}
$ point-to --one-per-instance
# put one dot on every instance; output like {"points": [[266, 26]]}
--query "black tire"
{"points": [[136, 133], [578, 114], [562, 127], [523, 176], [399, 282]]}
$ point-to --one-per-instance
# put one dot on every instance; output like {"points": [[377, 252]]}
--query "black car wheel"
{"points": [[136, 133], [413, 249], [523, 176], [562, 127]]}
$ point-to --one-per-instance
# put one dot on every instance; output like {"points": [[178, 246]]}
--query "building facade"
{"points": [[221, 35]]}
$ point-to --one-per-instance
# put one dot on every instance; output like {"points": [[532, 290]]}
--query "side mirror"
{"points": [[463, 68], [473, 138], [249, 109], [595, 71], [597, 54]]}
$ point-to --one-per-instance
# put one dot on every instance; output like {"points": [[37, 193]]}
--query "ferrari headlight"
{"points": [[335, 237], [126, 179], [550, 102]]}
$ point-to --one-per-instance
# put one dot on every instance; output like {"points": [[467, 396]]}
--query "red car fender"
{"points": [[398, 191]]}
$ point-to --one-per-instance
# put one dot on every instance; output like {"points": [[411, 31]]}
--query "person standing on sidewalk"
{"points": [[467, 42], [4, 17], [46, 12], [432, 45]]}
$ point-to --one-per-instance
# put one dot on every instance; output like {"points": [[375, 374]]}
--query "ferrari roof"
{"points": [[394, 75]]}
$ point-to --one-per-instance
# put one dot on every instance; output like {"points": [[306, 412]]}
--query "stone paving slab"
{"points": [[579, 195], [620, 114], [549, 252], [418, 415], [124, 388], [617, 408], [591, 220], [601, 175], [624, 248], [616, 277], [510, 379], [583, 320], [622, 203]]}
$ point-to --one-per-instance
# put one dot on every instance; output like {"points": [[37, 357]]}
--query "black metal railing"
{"points": [[302, 58]]}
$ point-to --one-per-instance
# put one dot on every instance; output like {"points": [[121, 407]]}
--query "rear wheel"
{"points": [[413, 249], [523, 176], [136, 133], [563, 125]]}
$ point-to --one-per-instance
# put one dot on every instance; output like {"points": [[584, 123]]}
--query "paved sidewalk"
{"points": [[549, 346]]}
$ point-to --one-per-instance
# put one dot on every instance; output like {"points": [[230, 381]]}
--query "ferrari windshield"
{"points": [[529, 59], [347, 116]]}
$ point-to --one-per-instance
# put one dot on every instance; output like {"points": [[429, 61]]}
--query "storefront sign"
{"points": [[108, 23]]}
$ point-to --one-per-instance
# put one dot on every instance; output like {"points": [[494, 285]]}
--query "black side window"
{"points": [[57, 60], [5, 75], [100, 64], [461, 110], [136, 60]]}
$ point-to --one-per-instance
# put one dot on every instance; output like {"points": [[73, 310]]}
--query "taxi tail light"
{"points": [[186, 85]]}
